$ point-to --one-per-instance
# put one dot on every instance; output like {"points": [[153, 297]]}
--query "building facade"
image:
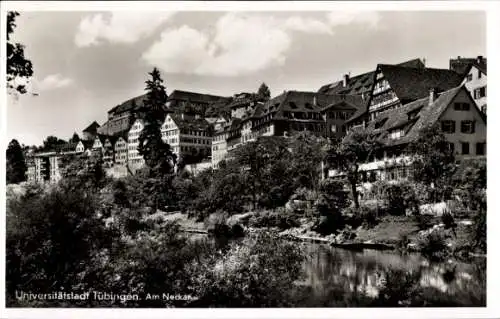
{"points": [[188, 135], [474, 77], [121, 151], [454, 112], [135, 160]]}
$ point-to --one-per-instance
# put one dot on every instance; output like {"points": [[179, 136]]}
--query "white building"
{"points": [[135, 160], [475, 79], [187, 135]]}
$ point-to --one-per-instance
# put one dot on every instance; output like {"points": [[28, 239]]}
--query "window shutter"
{"points": [[453, 127], [473, 127]]}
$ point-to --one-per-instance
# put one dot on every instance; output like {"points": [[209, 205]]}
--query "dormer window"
{"points": [[396, 134]]}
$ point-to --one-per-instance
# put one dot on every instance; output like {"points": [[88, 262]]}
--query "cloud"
{"points": [[298, 23], [337, 18], [241, 44], [53, 81], [120, 27]]}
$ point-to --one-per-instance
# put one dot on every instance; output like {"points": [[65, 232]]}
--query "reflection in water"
{"points": [[366, 272]]}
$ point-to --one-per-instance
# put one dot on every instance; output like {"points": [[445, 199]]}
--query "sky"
{"points": [[85, 63]]}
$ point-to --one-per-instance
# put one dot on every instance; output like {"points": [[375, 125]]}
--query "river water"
{"points": [[366, 271]]}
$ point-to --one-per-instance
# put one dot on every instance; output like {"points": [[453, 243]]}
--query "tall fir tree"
{"points": [[16, 164], [157, 154]]}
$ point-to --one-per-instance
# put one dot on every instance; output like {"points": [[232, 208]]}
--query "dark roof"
{"points": [[92, 128], [112, 139], [190, 123], [362, 84], [355, 101], [129, 104], [410, 84], [87, 143], [425, 115], [463, 65], [415, 63], [194, 97], [68, 147], [299, 101]]}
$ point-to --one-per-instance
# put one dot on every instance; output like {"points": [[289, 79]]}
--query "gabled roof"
{"points": [[463, 65], [355, 101], [362, 84], [190, 123], [410, 84], [425, 115], [299, 101], [87, 143], [112, 139], [92, 128]]}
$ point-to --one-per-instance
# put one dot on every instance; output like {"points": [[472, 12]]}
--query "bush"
{"points": [[399, 197], [478, 233], [433, 245], [448, 220], [423, 221], [260, 272], [279, 218], [366, 216], [53, 239]]}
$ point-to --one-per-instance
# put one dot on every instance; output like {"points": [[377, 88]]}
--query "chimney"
{"points": [[458, 58], [479, 58], [432, 95], [346, 80], [423, 61]]}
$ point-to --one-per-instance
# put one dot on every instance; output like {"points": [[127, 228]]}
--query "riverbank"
{"points": [[402, 233]]}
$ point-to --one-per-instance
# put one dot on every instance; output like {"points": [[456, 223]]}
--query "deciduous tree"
{"points": [[16, 164], [434, 161], [18, 66], [264, 93], [346, 156]]}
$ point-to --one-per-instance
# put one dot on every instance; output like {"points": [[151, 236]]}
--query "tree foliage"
{"points": [[75, 138], [434, 161], [16, 165], [346, 156], [18, 66], [51, 143], [264, 93]]}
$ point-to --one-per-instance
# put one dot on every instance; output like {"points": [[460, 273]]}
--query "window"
{"points": [[465, 148], [480, 148], [462, 106], [469, 77], [450, 147], [396, 134], [480, 92], [467, 127], [483, 109], [333, 128], [448, 126], [479, 74]]}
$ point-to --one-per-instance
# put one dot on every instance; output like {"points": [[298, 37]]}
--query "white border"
{"points": [[493, 52]]}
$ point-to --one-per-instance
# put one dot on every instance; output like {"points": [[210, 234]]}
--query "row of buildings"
{"points": [[395, 101]]}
